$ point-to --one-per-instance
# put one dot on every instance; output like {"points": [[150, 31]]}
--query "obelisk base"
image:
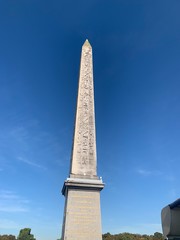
{"points": [[82, 215]]}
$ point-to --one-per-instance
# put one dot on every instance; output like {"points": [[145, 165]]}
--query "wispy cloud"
{"points": [[154, 226], [9, 224], [11, 209], [155, 173], [170, 177], [31, 163], [29, 143], [11, 202], [146, 173], [6, 195], [173, 193]]}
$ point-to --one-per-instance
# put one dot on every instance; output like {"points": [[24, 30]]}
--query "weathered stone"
{"points": [[83, 160], [82, 214]]}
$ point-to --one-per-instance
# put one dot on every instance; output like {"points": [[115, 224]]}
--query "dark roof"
{"points": [[175, 204]]}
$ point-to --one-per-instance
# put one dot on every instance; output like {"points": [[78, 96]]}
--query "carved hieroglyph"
{"points": [[83, 160]]}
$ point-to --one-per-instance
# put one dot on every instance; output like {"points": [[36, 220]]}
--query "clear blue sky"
{"points": [[136, 46]]}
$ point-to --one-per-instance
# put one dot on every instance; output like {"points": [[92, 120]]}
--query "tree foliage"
{"points": [[25, 234], [7, 237], [130, 236]]}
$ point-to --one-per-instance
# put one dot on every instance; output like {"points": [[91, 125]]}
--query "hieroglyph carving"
{"points": [[84, 149]]}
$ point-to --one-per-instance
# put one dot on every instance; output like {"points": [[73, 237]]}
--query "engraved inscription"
{"points": [[83, 219], [84, 149]]}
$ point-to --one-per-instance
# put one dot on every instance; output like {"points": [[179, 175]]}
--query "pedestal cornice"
{"points": [[83, 184]]}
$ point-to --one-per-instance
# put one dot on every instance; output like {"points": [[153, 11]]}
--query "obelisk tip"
{"points": [[86, 43]]}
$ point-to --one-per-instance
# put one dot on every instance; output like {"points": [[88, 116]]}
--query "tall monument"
{"points": [[82, 213]]}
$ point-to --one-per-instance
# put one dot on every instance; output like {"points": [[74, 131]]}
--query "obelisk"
{"points": [[82, 213]]}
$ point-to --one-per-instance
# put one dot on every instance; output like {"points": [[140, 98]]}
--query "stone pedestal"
{"points": [[82, 214]]}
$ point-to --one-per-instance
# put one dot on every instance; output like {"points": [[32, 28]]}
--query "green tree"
{"points": [[7, 237], [158, 236], [25, 234], [131, 236], [106, 236]]}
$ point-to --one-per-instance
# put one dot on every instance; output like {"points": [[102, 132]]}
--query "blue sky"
{"points": [[136, 47]]}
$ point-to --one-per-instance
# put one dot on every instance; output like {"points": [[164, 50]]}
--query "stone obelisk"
{"points": [[82, 213]]}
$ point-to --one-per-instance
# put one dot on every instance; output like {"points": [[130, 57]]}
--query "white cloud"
{"points": [[173, 193], [7, 195], [11, 202], [29, 143], [145, 172], [13, 209], [8, 224], [170, 177], [24, 160], [154, 227]]}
